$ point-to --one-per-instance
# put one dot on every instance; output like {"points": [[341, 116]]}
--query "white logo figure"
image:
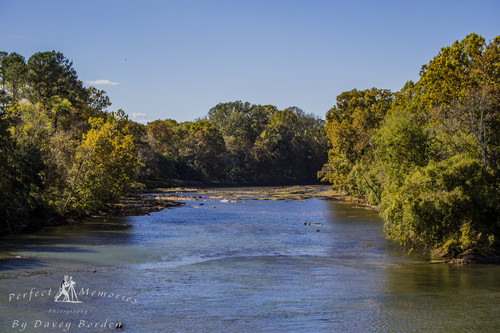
{"points": [[67, 289]]}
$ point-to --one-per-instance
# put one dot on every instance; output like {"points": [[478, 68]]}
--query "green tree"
{"points": [[165, 160], [96, 100], [450, 207], [402, 144], [291, 148], [13, 72], [205, 150], [240, 124], [448, 77], [349, 128], [51, 75], [20, 185], [439, 150], [60, 152]]}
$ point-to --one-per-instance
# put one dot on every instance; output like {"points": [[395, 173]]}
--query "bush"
{"points": [[451, 206]]}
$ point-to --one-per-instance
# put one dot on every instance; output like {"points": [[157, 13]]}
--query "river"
{"points": [[245, 266]]}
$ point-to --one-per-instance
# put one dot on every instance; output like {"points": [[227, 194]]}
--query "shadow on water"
{"points": [[67, 238], [20, 263]]}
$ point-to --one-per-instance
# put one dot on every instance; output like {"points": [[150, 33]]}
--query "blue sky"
{"points": [[177, 59]]}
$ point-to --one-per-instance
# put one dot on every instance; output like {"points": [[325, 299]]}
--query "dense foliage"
{"points": [[239, 143], [428, 155], [62, 153]]}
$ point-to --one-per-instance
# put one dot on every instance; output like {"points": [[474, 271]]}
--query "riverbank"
{"points": [[134, 204], [293, 192], [137, 204], [470, 258]]}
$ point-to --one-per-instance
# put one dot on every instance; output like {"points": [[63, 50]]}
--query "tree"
{"points": [[205, 150], [96, 100], [349, 128], [291, 148], [449, 76], [239, 126], [477, 116], [60, 152], [104, 169], [402, 144], [428, 154], [274, 148], [439, 150], [50, 74], [163, 135], [449, 207], [13, 71], [21, 185]]}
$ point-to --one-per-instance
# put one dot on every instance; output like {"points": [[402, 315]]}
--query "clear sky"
{"points": [[177, 59]]}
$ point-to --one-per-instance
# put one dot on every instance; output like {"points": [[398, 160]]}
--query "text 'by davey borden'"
{"points": [[63, 325]]}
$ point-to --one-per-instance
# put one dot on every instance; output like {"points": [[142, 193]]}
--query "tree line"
{"points": [[62, 153], [428, 155], [240, 144]]}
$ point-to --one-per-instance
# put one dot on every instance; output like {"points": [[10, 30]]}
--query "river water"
{"points": [[246, 266]]}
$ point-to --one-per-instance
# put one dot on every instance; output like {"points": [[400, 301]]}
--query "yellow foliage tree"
{"points": [[105, 164]]}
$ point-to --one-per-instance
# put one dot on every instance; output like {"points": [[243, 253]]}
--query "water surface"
{"points": [[247, 266]]}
